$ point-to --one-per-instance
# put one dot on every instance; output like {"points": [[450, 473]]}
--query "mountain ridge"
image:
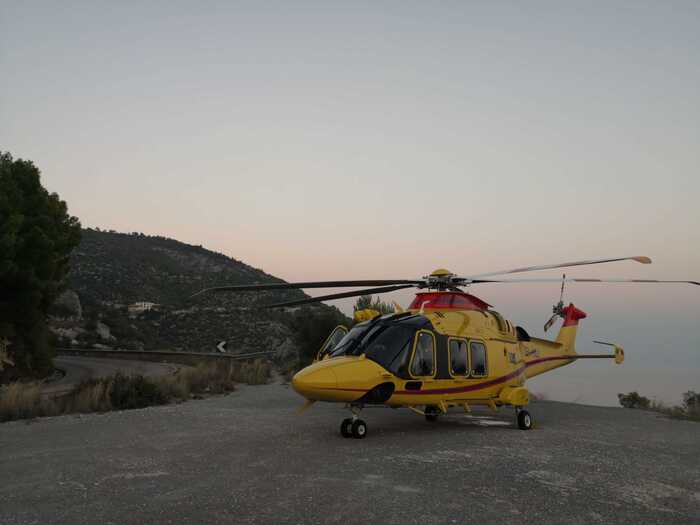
{"points": [[112, 270]]}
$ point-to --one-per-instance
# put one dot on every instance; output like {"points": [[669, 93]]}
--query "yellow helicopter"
{"points": [[447, 349]]}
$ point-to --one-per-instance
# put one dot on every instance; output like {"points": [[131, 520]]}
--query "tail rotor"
{"points": [[557, 309]]}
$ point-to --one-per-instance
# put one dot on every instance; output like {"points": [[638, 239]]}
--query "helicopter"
{"points": [[447, 349]]}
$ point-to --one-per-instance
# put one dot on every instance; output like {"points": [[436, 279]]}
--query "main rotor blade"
{"points": [[578, 280], [342, 295], [639, 258], [312, 284]]}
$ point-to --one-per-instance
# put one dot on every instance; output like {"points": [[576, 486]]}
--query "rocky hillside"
{"points": [[112, 271]]}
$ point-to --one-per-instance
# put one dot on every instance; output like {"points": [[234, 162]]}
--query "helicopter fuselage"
{"points": [[450, 351]]}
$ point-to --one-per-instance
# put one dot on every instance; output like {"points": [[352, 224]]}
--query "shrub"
{"points": [[212, 378], [92, 395], [691, 404], [120, 392], [633, 400], [690, 408], [19, 400], [173, 386], [252, 372], [134, 392]]}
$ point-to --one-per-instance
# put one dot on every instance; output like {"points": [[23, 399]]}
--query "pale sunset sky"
{"points": [[332, 140]]}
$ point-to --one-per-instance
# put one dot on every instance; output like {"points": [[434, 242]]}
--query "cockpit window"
{"points": [[388, 341], [336, 336], [423, 361]]}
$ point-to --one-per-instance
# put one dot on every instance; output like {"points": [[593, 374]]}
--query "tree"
{"points": [[633, 400], [37, 236], [365, 302], [312, 326], [691, 403]]}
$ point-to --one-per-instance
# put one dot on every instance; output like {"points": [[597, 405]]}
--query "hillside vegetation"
{"points": [[110, 271]]}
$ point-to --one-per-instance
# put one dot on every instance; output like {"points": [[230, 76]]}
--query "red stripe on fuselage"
{"points": [[553, 358], [468, 388]]}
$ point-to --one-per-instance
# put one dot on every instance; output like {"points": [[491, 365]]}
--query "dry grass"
{"points": [[19, 400], [252, 372], [23, 400], [91, 396]]}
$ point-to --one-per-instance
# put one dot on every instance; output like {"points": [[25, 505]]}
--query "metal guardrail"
{"points": [[162, 356]]}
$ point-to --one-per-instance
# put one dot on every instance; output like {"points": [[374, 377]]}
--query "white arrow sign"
{"points": [[221, 347]]}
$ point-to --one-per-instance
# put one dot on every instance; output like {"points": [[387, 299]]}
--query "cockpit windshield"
{"points": [[390, 346], [384, 343], [348, 344]]}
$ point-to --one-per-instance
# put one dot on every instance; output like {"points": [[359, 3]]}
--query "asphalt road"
{"points": [[249, 458], [79, 369]]}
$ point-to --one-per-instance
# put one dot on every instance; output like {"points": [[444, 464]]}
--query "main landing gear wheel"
{"points": [[346, 427], [524, 420], [431, 413], [359, 429]]}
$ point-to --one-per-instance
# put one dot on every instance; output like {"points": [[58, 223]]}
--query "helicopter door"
{"points": [[331, 341], [423, 358]]}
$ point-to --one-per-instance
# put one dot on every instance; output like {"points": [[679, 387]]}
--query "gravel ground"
{"points": [[250, 458]]}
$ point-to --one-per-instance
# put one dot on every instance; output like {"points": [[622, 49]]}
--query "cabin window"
{"points": [[500, 322], [478, 359], [423, 362], [458, 357]]}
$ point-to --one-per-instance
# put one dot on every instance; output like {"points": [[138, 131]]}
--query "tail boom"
{"points": [[542, 355]]}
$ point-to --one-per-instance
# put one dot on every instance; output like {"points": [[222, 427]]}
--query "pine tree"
{"points": [[365, 302], [37, 236]]}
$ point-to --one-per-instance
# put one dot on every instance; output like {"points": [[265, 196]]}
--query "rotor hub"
{"points": [[442, 280]]}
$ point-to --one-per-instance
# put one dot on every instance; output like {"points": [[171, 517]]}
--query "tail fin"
{"points": [[543, 355], [567, 334]]}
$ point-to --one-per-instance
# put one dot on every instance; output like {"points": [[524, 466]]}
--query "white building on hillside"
{"points": [[142, 306]]}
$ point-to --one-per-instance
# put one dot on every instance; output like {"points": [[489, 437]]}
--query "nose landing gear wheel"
{"points": [[359, 429], [346, 427], [524, 420]]}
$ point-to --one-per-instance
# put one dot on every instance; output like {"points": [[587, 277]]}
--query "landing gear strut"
{"points": [[354, 426], [523, 418]]}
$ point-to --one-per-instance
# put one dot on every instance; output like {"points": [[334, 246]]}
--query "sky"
{"points": [[328, 140]]}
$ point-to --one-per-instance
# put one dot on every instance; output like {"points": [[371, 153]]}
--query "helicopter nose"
{"points": [[311, 382]]}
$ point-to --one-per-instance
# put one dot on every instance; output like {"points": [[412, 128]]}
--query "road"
{"points": [[79, 369], [250, 458]]}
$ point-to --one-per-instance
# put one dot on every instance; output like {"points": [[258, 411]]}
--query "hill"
{"points": [[111, 271]]}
